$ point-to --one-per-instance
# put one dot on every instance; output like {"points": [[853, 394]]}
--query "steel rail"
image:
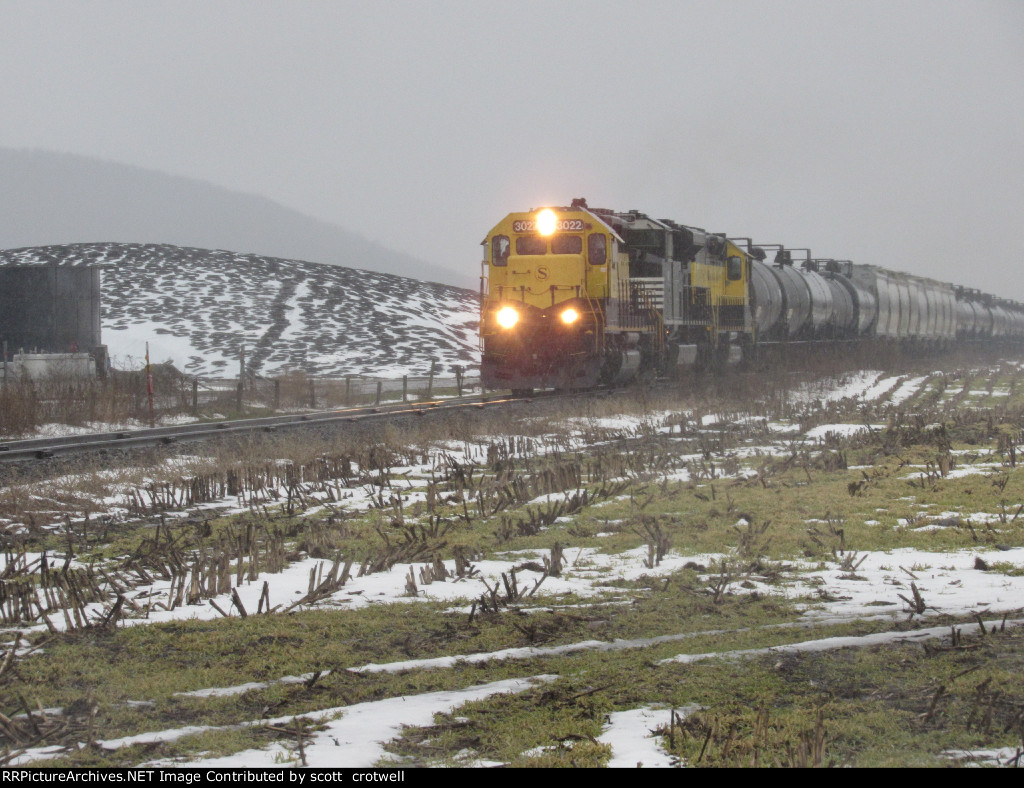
{"points": [[43, 448]]}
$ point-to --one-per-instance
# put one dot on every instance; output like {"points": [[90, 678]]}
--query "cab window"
{"points": [[597, 249], [499, 250], [566, 244], [531, 244]]}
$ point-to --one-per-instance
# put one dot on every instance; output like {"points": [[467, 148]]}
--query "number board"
{"points": [[562, 225]]}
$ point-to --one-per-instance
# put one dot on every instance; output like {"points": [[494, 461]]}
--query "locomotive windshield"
{"points": [[566, 244], [531, 244], [560, 244]]}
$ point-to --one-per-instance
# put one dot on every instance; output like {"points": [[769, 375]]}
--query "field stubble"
{"points": [[213, 607]]}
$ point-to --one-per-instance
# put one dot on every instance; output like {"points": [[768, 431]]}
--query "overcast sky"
{"points": [[889, 132]]}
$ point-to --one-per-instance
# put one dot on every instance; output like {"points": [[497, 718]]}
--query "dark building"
{"points": [[50, 308]]}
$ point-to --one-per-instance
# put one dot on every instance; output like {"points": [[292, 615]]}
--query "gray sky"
{"points": [[889, 132]]}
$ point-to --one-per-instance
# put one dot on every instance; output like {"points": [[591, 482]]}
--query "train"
{"points": [[575, 297]]}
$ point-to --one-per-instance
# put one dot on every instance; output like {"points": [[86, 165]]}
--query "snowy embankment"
{"points": [[199, 308]]}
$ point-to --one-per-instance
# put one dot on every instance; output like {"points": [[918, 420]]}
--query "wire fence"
{"points": [[295, 390], [121, 398]]}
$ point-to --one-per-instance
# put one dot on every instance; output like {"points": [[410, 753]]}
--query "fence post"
{"points": [[380, 385], [348, 390], [312, 393], [430, 380], [458, 379], [195, 396], [149, 388], [241, 379], [277, 393], [405, 388]]}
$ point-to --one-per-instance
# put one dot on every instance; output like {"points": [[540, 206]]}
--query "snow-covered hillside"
{"points": [[198, 307]]}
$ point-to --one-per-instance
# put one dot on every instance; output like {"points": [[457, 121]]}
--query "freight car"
{"points": [[575, 297]]}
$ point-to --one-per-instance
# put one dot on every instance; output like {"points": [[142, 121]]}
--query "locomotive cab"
{"points": [[549, 276]]}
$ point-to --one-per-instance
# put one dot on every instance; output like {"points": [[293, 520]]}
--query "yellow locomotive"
{"points": [[577, 296]]}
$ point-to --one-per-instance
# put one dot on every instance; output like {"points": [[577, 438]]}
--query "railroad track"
{"points": [[68, 446], [45, 448]]}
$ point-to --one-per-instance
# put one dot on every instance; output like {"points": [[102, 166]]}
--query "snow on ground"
{"points": [[961, 471], [353, 736], [866, 385], [241, 689], [881, 386], [834, 643], [587, 574], [863, 386], [947, 581], [588, 571], [866, 586], [534, 652], [822, 431], [631, 424], [907, 390], [634, 745], [1003, 756], [93, 427]]}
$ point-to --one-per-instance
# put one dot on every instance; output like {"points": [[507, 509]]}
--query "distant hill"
{"points": [[55, 198], [197, 307]]}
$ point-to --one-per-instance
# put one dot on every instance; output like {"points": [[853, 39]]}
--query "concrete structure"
{"points": [[43, 365], [50, 308]]}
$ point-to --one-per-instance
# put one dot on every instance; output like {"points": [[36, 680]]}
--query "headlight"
{"points": [[546, 222], [570, 316], [507, 317]]}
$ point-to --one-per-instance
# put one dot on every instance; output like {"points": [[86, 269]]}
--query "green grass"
{"points": [[877, 706]]}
